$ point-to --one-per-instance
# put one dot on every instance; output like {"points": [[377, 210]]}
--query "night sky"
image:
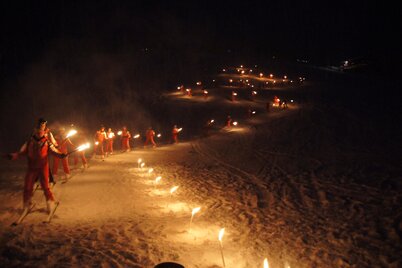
{"points": [[322, 32], [60, 54]]}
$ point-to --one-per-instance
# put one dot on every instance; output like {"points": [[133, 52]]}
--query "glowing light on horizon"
{"points": [[119, 133], [137, 136]]}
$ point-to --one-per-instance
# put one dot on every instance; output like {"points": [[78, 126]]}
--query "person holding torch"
{"points": [[109, 142], [125, 140], [100, 137], [37, 149], [175, 134], [63, 141], [150, 134]]}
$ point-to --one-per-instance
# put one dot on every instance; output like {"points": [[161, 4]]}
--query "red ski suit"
{"points": [[63, 144], [37, 151], [175, 133], [125, 140], [150, 137], [109, 142], [100, 137]]}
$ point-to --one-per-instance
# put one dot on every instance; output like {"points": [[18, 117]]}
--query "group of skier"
{"points": [[42, 144]]}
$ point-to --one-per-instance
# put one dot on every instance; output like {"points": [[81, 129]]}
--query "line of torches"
{"points": [[194, 211]]}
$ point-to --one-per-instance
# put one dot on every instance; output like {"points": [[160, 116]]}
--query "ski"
{"points": [[51, 214], [23, 215]]}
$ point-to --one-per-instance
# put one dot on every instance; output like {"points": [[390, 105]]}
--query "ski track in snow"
{"points": [[275, 200]]}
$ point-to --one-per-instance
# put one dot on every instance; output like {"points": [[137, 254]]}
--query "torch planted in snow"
{"points": [[266, 264], [172, 190], [193, 212], [158, 179], [221, 232]]}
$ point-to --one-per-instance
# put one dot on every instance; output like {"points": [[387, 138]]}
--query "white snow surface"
{"points": [[283, 184]]}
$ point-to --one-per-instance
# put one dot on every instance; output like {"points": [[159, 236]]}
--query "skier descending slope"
{"points": [[36, 150]]}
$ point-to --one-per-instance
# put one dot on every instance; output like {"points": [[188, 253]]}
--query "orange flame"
{"points": [[221, 233], [173, 189], [71, 133]]}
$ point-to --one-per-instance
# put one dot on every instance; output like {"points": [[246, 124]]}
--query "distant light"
{"points": [[234, 94], [198, 83], [271, 75], [159, 135], [291, 100], [261, 74], [178, 88], [274, 81], [241, 66], [251, 70], [254, 92], [223, 70], [285, 77], [205, 92], [213, 80], [230, 80], [235, 123], [242, 71], [253, 112]]}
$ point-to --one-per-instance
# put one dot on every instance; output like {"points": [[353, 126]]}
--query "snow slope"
{"points": [[304, 187]]}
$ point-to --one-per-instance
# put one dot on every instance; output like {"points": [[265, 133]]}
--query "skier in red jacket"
{"points": [[37, 150], [100, 137], [150, 134], [175, 133], [125, 140], [63, 143]]}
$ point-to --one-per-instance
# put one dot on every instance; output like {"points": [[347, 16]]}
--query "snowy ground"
{"points": [[303, 187]]}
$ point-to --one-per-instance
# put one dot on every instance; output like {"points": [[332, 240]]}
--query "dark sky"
{"points": [[114, 55], [320, 31]]}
